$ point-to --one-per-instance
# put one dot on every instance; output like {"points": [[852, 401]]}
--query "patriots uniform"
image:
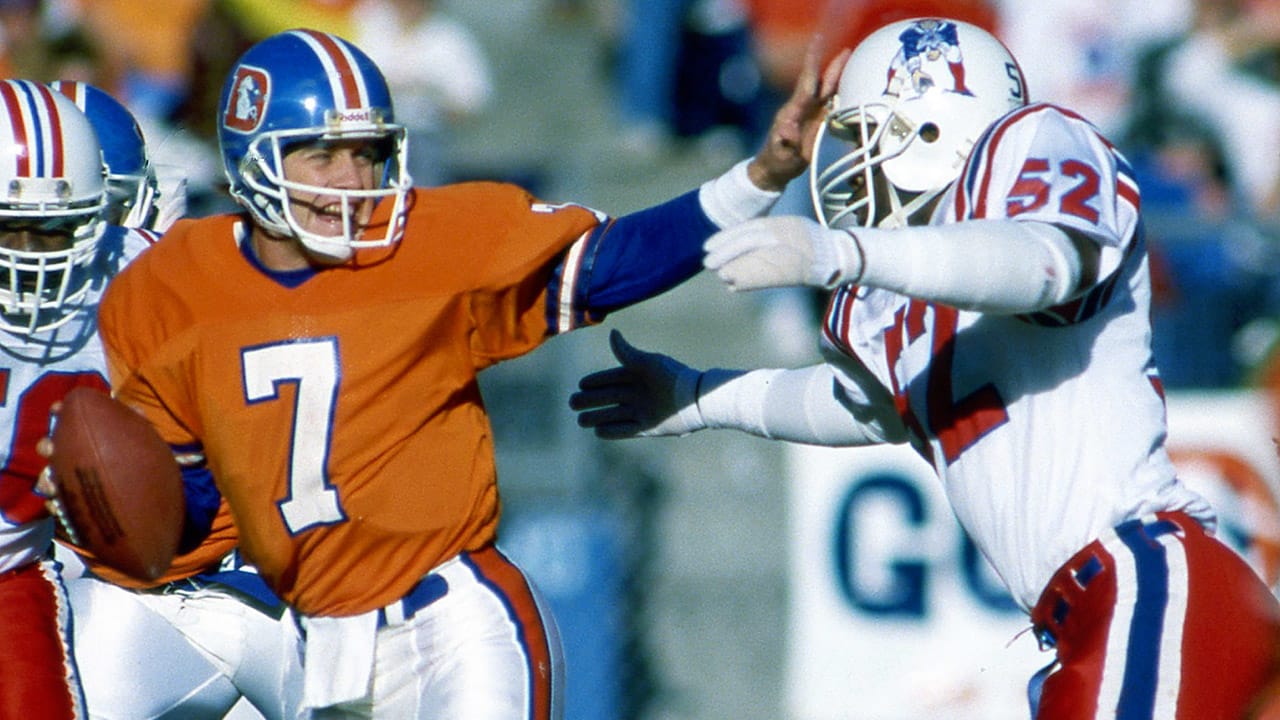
{"points": [[1085, 522], [35, 372]]}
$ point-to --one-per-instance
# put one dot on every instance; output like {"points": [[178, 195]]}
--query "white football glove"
{"points": [[648, 395], [783, 251]]}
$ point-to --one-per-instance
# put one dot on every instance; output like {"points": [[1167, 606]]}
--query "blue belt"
{"points": [[428, 590]]}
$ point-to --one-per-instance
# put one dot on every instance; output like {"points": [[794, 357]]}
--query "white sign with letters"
{"points": [[894, 615]]}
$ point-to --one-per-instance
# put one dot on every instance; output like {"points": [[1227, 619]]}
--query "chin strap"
{"points": [[900, 214]]}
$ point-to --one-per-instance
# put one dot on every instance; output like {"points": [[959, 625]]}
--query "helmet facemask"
{"points": [[41, 290], [131, 200], [880, 170], [268, 197]]}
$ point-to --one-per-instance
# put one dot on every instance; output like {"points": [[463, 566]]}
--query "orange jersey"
{"points": [[341, 417]]}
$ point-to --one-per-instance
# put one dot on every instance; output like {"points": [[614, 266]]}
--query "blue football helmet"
{"points": [[132, 187], [53, 181], [303, 86]]}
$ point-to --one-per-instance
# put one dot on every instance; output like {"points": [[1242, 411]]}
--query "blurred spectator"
{"points": [[718, 87], [782, 29], [1219, 72], [683, 69], [438, 73], [262, 18], [1214, 262], [38, 38], [144, 44], [1082, 54], [649, 44]]}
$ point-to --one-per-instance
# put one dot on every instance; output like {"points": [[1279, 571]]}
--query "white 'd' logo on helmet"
{"points": [[248, 101]]}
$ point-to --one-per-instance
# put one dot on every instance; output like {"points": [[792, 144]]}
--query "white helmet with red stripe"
{"points": [[52, 207], [912, 100], [301, 86]]}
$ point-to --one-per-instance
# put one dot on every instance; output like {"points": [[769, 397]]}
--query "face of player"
{"points": [[341, 165], [858, 187], [33, 239]]}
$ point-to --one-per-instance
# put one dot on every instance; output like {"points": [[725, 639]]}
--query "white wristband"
{"points": [[732, 198]]}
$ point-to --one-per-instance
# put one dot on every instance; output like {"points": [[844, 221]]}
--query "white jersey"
{"points": [[1046, 429], [35, 372]]}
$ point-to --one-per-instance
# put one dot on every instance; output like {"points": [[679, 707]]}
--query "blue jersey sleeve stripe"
{"points": [[202, 500], [628, 259]]}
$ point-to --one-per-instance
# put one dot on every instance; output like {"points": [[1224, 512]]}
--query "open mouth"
{"points": [[326, 217]]}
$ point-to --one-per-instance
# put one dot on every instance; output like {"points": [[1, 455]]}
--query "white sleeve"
{"points": [[732, 198], [990, 266], [805, 405]]}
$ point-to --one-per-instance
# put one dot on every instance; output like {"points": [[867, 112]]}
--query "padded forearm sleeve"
{"points": [[802, 405], [991, 266]]}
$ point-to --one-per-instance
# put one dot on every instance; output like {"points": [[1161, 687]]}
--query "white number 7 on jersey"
{"points": [[312, 366]]}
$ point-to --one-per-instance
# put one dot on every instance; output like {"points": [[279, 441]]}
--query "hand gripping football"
{"points": [[119, 487]]}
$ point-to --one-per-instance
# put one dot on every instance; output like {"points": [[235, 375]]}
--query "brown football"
{"points": [[119, 486]]}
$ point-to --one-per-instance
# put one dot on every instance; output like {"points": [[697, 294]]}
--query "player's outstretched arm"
{"points": [[650, 395], [1000, 266]]}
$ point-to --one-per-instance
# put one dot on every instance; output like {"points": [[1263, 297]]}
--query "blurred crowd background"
{"points": [[667, 559]]}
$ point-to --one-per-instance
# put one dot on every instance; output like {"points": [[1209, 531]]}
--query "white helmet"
{"points": [[52, 181], [913, 98]]}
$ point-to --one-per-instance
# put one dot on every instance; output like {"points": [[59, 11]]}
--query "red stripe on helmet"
{"points": [[57, 154], [346, 72], [14, 107]]}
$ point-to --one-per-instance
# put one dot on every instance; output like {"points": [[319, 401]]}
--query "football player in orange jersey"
{"points": [[316, 358], [208, 634]]}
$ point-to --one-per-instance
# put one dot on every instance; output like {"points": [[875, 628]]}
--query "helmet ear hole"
{"points": [[929, 132]]}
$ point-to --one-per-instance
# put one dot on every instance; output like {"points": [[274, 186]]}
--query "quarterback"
{"points": [[316, 355]]}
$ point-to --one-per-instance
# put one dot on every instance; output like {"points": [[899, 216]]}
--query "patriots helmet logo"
{"points": [[248, 101], [929, 57]]}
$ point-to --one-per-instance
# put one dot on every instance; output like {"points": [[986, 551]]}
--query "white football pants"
{"points": [[188, 654]]}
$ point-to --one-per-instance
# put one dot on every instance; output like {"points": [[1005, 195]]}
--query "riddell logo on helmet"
{"points": [[353, 115], [248, 101]]}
